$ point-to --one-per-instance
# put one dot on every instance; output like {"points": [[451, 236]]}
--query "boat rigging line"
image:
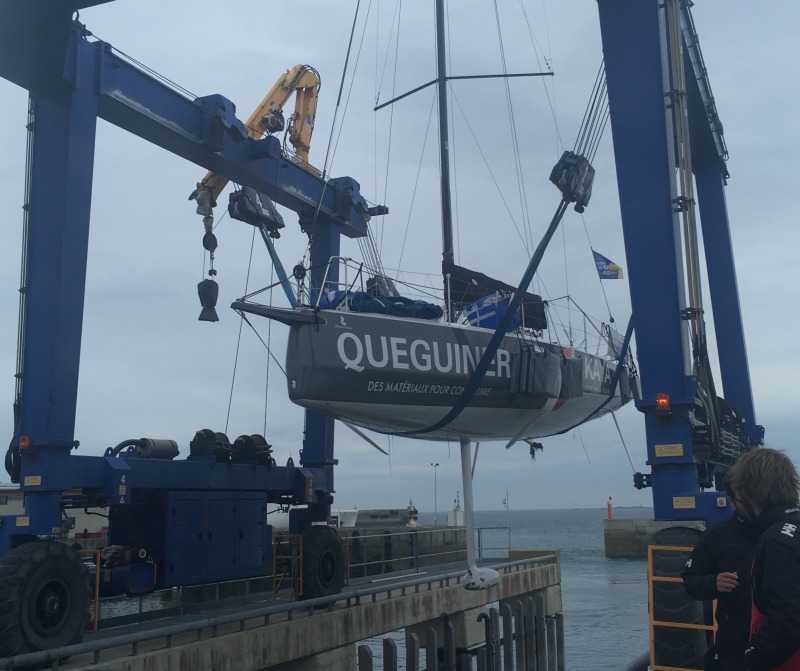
{"points": [[599, 279], [547, 63], [239, 336], [523, 196], [266, 346], [416, 183], [269, 368], [522, 237], [583, 445], [328, 153], [395, 19], [363, 435], [619, 431], [368, 246]]}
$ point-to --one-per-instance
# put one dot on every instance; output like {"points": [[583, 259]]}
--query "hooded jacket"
{"points": [[775, 642], [726, 547]]}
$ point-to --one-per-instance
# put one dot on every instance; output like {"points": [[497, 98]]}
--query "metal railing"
{"points": [[492, 542], [397, 552], [368, 556]]}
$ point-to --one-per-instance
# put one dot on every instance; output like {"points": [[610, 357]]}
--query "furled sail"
{"points": [[468, 286]]}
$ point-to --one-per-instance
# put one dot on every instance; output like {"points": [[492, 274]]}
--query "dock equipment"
{"points": [[178, 521], [203, 518], [670, 157]]}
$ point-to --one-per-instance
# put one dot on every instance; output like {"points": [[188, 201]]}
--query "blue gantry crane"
{"points": [[670, 157], [671, 160], [202, 518], [182, 521]]}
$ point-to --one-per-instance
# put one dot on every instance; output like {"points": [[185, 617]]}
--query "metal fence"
{"points": [[394, 551], [492, 543]]}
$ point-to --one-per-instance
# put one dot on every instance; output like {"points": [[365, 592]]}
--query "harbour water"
{"points": [[605, 600]]}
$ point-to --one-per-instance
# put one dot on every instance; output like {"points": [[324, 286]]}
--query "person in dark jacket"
{"points": [[766, 485], [719, 568]]}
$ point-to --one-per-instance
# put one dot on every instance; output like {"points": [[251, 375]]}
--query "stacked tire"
{"points": [[676, 647]]}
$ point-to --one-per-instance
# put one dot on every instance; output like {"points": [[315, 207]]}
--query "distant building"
{"points": [[10, 499], [11, 503]]}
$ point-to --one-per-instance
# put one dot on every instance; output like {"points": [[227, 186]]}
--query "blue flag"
{"points": [[607, 269]]}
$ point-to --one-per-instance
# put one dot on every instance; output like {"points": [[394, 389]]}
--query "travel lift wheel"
{"points": [[45, 595], [323, 562]]}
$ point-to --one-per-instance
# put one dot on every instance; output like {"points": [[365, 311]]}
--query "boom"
{"points": [[268, 118]]}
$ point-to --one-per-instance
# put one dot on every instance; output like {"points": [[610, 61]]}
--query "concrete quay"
{"points": [[629, 538], [300, 637]]}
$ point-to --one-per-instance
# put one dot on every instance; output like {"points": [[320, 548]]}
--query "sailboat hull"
{"points": [[400, 376]]}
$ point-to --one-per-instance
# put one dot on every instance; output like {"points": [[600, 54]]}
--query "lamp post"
{"points": [[435, 500]]}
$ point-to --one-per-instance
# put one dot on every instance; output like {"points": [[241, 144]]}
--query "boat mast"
{"points": [[444, 157]]}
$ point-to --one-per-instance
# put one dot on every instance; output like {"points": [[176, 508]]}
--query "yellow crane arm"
{"points": [[302, 80]]}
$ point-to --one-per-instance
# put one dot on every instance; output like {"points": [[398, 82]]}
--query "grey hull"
{"points": [[401, 375]]}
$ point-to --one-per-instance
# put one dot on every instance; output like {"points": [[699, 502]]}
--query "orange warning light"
{"points": [[24, 442], [663, 406]]}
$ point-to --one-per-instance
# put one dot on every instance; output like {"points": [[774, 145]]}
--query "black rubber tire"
{"points": [[323, 562], [45, 596], [679, 648]]}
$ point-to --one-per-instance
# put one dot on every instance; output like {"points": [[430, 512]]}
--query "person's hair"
{"points": [[764, 478], [727, 486]]}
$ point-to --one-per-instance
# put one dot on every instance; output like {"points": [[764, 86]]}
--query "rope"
{"points": [[328, 157], [619, 431], [239, 337], [489, 169], [416, 180], [583, 445], [269, 351], [269, 348], [566, 277], [513, 132], [599, 279], [352, 80], [550, 103], [554, 318], [391, 111]]}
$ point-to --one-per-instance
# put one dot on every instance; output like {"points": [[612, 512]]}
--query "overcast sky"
{"points": [[149, 368]]}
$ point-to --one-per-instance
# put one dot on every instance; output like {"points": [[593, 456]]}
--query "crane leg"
{"points": [[476, 578]]}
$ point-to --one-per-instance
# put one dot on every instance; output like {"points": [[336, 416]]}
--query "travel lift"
{"points": [[200, 519], [204, 517], [668, 140]]}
